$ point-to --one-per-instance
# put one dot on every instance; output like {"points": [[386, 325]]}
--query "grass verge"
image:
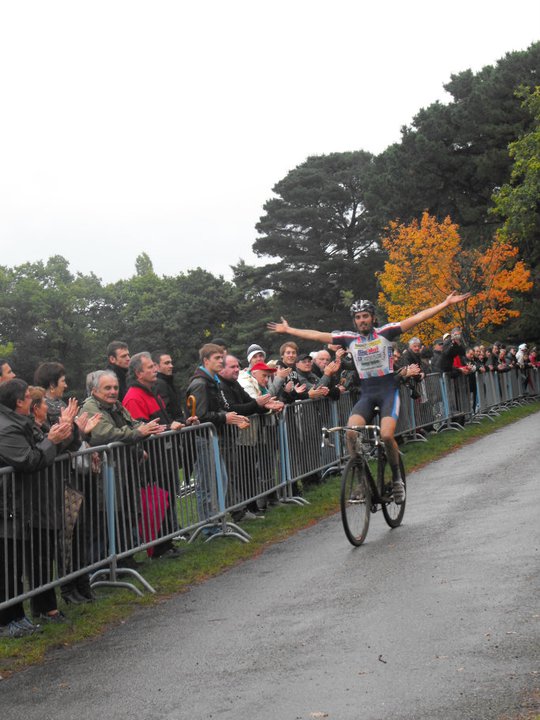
{"points": [[203, 560]]}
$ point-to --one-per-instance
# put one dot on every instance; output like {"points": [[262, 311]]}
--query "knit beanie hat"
{"points": [[253, 350]]}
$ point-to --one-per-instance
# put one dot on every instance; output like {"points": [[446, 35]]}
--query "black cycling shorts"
{"points": [[380, 392]]}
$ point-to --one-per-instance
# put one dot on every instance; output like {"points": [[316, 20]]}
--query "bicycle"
{"points": [[361, 493]]}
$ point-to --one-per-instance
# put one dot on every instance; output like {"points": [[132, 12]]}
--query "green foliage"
{"points": [[320, 234], [47, 313], [518, 201], [454, 156], [143, 265], [319, 228]]}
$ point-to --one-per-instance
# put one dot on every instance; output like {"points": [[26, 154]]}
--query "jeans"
{"points": [[206, 485]]}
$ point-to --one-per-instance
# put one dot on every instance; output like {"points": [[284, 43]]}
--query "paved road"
{"points": [[438, 619]]}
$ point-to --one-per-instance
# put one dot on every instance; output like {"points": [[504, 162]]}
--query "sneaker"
{"points": [[14, 630], [398, 490], [57, 617], [28, 625], [248, 515], [170, 553]]}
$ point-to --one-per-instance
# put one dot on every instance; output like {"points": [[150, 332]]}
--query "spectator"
{"points": [[521, 349], [144, 403], [256, 385], [222, 344], [118, 362], [316, 387], [453, 347], [511, 356], [241, 458], [46, 525], [413, 357], [436, 354], [324, 365], [503, 362], [404, 372], [239, 400], [117, 425], [51, 376], [213, 407], [165, 387], [255, 354], [141, 399], [479, 358], [20, 449], [6, 373], [281, 385]]}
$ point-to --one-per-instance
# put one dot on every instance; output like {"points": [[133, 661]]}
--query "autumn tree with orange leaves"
{"points": [[426, 262]]}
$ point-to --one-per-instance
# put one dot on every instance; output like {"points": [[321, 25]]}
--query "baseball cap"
{"points": [[263, 366]]}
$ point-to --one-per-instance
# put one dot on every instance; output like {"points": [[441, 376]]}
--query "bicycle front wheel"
{"points": [[355, 501], [393, 514]]}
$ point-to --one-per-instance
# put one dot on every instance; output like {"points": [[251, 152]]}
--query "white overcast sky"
{"points": [[129, 126]]}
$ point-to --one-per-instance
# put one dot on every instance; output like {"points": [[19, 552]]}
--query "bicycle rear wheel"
{"points": [[355, 501], [393, 514]]}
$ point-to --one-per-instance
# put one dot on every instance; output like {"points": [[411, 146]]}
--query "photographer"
{"points": [[413, 357], [453, 359]]}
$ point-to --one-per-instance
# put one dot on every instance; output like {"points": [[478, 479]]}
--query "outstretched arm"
{"points": [[423, 315], [284, 328]]}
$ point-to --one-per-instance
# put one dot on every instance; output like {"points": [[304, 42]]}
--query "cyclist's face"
{"points": [[363, 321]]}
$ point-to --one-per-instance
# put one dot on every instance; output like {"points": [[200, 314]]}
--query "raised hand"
{"points": [[59, 432], [283, 372], [67, 414], [455, 298], [282, 327], [332, 367], [86, 424]]}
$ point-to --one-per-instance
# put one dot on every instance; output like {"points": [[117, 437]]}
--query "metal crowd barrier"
{"points": [[303, 422], [253, 461], [78, 521], [54, 527]]}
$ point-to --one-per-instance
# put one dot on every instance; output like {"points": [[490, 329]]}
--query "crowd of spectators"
{"points": [[135, 397]]}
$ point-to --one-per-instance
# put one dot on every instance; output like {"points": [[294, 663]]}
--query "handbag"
{"points": [[73, 499]]}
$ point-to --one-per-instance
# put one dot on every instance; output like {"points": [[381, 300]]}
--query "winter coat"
{"points": [[211, 404], [20, 449]]}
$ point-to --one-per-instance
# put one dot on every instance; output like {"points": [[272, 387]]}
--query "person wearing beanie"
{"points": [[255, 354]]}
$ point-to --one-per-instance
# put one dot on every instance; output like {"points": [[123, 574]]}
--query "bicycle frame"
{"points": [[361, 493]]}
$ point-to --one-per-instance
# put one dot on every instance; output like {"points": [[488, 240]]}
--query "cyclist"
{"points": [[371, 349]]}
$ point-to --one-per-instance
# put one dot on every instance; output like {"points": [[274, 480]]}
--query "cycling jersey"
{"points": [[374, 360], [373, 353]]}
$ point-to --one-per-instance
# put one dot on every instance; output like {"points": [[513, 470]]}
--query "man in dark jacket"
{"points": [[213, 407], [118, 361], [19, 449], [241, 458], [165, 386], [436, 354], [452, 347], [206, 387]]}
